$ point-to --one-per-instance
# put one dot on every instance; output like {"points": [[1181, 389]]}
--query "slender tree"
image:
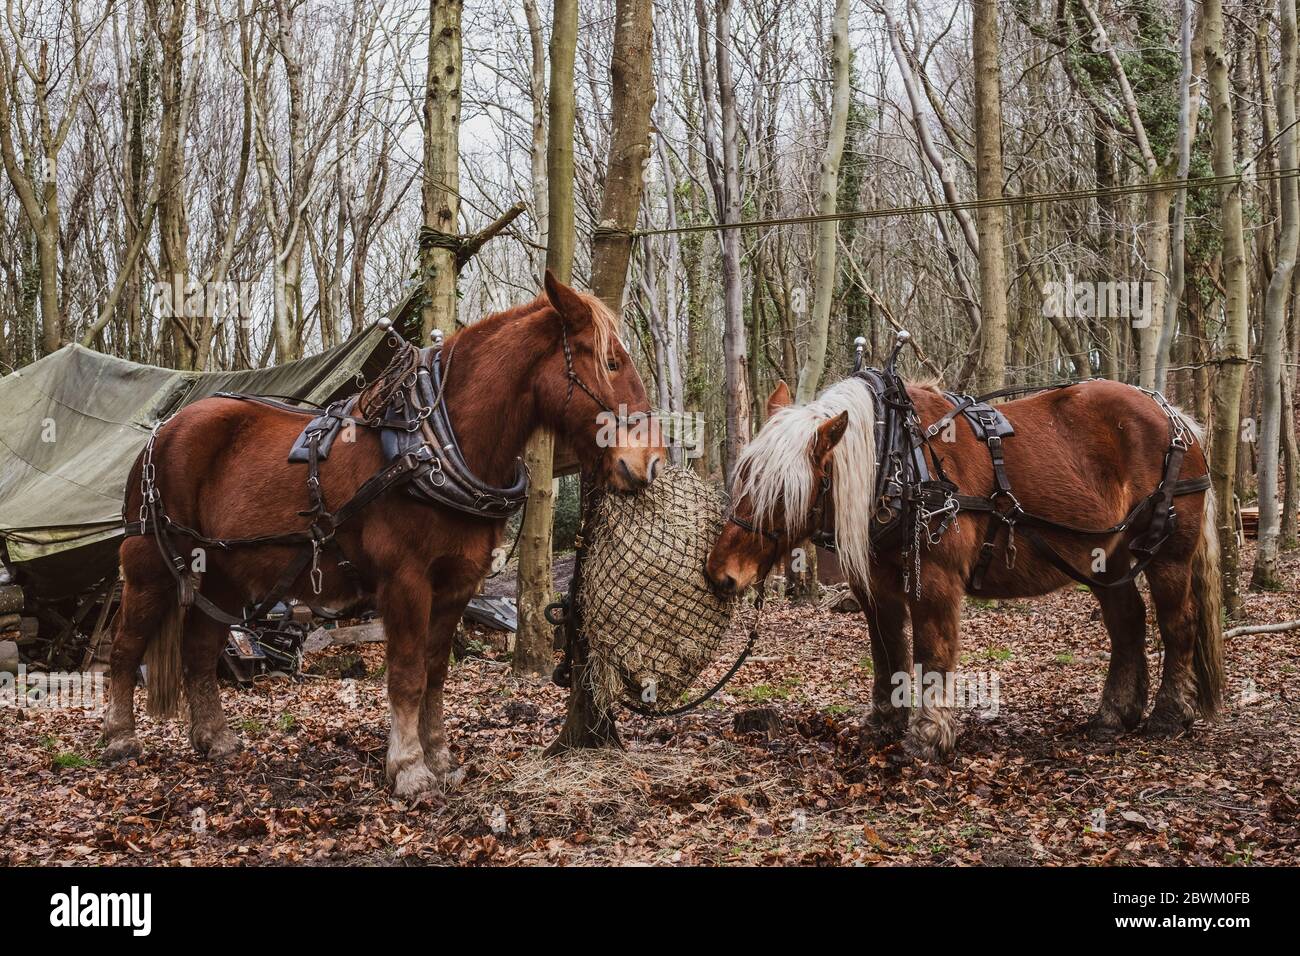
{"points": [[32, 160], [1233, 354], [440, 240], [1273, 341], [536, 586], [722, 153], [814, 365], [629, 149], [632, 82], [991, 365]]}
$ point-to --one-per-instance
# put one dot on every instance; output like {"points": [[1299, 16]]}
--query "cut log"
{"points": [[759, 720], [9, 659], [11, 598], [1250, 522], [28, 629], [371, 632]]}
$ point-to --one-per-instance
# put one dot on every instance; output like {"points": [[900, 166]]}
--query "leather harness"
{"points": [[912, 492], [421, 455]]}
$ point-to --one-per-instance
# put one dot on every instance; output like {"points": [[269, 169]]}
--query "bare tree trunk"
{"points": [[814, 364], [990, 372], [1156, 231], [537, 149], [629, 149], [34, 175], [173, 214], [1177, 244], [536, 583], [1234, 353], [925, 141], [721, 121], [1291, 460], [1273, 341], [441, 188], [586, 724]]}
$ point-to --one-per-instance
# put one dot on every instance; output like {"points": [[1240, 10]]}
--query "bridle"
{"points": [[575, 379], [752, 529], [816, 519]]}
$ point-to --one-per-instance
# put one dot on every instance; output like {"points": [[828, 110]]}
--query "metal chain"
{"points": [[150, 497], [1181, 433]]}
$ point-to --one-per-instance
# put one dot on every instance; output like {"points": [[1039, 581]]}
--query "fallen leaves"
{"points": [[1025, 787]]}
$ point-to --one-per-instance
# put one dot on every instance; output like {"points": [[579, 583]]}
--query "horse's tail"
{"points": [[1207, 606], [162, 661]]}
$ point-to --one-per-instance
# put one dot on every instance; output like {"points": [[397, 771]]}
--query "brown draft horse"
{"points": [[1083, 455], [221, 468]]}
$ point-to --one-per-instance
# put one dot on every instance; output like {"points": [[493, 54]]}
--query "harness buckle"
{"points": [[1012, 508]]}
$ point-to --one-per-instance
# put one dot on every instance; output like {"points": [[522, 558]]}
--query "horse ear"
{"points": [[574, 312], [779, 398], [829, 434]]}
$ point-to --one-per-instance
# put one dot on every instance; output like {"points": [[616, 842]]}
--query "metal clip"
{"points": [[317, 576]]}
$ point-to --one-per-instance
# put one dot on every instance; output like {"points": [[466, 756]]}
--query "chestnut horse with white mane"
{"points": [[220, 465], [1084, 456]]}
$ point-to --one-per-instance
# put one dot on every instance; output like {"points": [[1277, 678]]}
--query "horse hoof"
{"points": [[1101, 729], [452, 780], [439, 763], [923, 751], [414, 780], [1165, 728], [887, 727], [217, 747], [223, 748], [123, 748]]}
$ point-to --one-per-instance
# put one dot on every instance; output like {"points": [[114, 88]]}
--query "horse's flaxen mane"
{"points": [[776, 470]]}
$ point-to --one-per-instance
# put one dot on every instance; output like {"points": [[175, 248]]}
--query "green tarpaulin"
{"points": [[72, 424]]}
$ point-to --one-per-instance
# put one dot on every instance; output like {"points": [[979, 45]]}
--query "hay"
{"points": [[651, 622]]}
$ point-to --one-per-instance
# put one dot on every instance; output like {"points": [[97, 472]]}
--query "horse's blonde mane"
{"points": [[776, 469]]}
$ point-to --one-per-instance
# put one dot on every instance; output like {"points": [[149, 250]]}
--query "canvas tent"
{"points": [[72, 424]]}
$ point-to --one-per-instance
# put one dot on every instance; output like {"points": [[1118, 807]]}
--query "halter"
{"points": [[816, 523], [742, 523], [575, 379]]}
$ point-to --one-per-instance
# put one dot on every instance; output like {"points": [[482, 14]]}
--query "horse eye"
{"points": [[612, 365]]}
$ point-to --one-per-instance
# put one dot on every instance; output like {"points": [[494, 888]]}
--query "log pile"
{"points": [[13, 626], [11, 622]]}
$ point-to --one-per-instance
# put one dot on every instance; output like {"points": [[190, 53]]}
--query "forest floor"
{"points": [[1025, 787]]}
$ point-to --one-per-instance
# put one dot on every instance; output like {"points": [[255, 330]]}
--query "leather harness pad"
{"points": [[328, 424], [442, 476], [984, 419]]}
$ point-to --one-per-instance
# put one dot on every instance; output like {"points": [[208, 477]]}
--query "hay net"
{"points": [[651, 622]]}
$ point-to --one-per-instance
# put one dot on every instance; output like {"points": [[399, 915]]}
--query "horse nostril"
{"points": [[725, 584], [652, 469], [632, 480]]}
